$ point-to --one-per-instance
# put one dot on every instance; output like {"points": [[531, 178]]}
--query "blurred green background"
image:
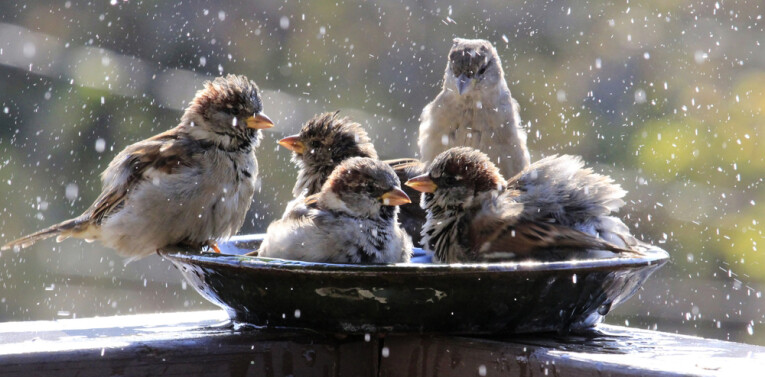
{"points": [[666, 96]]}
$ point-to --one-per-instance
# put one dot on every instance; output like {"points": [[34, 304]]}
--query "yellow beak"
{"points": [[259, 121], [293, 143], [422, 183], [395, 197]]}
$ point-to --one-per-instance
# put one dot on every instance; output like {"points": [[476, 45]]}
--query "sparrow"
{"points": [[553, 206], [324, 142], [475, 109], [189, 185], [352, 219]]}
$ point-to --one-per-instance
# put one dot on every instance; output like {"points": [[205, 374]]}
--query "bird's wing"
{"points": [[404, 163], [525, 238], [163, 154]]}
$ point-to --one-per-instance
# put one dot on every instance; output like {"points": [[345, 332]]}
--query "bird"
{"points": [[553, 206], [189, 185], [324, 142], [475, 109], [351, 220]]}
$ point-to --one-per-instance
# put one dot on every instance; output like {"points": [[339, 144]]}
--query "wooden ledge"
{"points": [[205, 343]]}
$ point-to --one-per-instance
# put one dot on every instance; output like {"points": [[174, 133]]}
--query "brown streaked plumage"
{"points": [[325, 141], [328, 139], [554, 206], [353, 219], [189, 185]]}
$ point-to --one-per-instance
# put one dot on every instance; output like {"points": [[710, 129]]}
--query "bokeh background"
{"points": [[666, 96]]}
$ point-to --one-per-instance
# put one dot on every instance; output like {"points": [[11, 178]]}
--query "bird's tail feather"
{"points": [[62, 231]]}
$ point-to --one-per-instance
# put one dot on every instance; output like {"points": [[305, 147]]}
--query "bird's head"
{"points": [[326, 140], [473, 65], [458, 175], [228, 109], [363, 187]]}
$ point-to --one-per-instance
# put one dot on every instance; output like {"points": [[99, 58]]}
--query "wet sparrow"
{"points": [[189, 185], [325, 141], [475, 109], [550, 208], [353, 219]]}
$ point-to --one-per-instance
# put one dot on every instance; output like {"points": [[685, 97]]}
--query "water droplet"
{"points": [[72, 191], [29, 50], [700, 56], [561, 95], [100, 145], [640, 96]]}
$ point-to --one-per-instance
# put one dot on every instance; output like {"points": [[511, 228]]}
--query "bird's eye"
{"points": [[450, 180]]}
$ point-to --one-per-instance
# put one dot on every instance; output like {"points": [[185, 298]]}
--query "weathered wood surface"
{"points": [[206, 344]]}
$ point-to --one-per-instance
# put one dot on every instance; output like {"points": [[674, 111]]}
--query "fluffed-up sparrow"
{"points": [[328, 139], [548, 210], [189, 185], [353, 219]]}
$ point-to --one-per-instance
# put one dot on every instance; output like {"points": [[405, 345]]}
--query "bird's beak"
{"points": [[293, 143], [464, 83], [422, 183], [259, 121], [395, 197]]}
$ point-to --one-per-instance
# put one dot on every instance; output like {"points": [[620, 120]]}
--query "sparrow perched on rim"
{"points": [[475, 109], [324, 142], [551, 207], [353, 219], [189, 185]]}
